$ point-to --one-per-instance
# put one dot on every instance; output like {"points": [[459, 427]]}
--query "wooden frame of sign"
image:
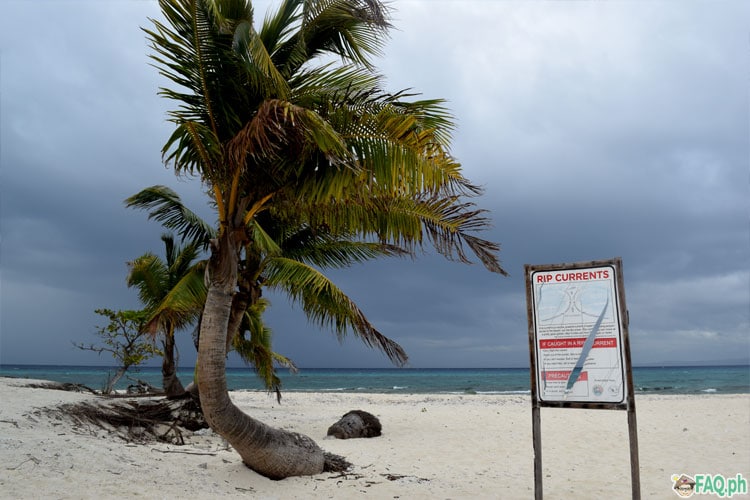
{"points": [[579, 347]]}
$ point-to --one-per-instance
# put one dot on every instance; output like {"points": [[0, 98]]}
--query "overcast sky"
{"points": [[597, 129]]}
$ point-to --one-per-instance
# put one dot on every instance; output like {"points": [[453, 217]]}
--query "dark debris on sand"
{"points": [[138, 421]]}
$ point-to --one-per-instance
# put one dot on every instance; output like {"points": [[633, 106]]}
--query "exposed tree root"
{"points": [[136, 421], [145, 420]]}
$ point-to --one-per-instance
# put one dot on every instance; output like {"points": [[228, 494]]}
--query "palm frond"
{"points": [[150, 275], [184, 258], [195, 49], [351, 29], [166, 207], [257, 351], [327, 306], [195, 149], [322, 248], [183, 303], [261, 73], [410, 223], [264, 242]]}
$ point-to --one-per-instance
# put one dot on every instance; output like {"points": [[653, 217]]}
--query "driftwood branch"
{"points": [[186, 452], [30, 459]]}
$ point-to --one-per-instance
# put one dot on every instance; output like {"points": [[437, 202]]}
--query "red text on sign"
{"points": [[577, 343]]}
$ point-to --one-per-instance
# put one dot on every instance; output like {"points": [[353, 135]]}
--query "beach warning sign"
{"points": [[579, 347], [577, 334]]}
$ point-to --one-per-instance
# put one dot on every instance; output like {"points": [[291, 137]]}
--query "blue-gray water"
{"points": [[659, 380]]}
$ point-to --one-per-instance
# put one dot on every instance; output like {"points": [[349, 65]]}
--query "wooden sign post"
{"points": [[579, 347]]}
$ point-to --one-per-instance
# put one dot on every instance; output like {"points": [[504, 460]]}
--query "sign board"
{"points": [[579, 347], [577, 334]]}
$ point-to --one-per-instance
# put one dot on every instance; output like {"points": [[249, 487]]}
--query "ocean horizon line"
{"points": [[653, 379], [190, 367]]}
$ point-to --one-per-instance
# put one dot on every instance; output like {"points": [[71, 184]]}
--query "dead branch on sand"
{"points": [[134, 421]]}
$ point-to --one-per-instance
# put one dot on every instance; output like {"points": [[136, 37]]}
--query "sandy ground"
{"points": [[432, 447]]}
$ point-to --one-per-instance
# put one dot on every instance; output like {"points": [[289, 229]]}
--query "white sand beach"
{"points": [[432, 447]]}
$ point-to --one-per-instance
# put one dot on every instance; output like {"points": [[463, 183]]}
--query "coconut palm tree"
{"points": [[271, 128], [174, 295], [288, 244]]}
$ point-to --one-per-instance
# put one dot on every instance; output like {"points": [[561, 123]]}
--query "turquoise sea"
{"points": [[647, 380]]}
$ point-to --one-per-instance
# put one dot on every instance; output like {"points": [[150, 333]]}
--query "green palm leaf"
{"points": [[149, 274], [256, 350], [326, 305], [166, 207], [352, 29], [183, 302]]}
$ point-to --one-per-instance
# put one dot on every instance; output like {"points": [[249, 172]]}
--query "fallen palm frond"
{"points": [[63, 386], [134, 421], [138, 389]]}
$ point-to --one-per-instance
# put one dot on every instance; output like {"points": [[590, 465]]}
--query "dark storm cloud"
{"points": [[77, 138], [597, 129]]}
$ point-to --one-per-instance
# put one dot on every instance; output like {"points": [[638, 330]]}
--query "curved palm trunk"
{"points": [[274, 453], [172, 386]]}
